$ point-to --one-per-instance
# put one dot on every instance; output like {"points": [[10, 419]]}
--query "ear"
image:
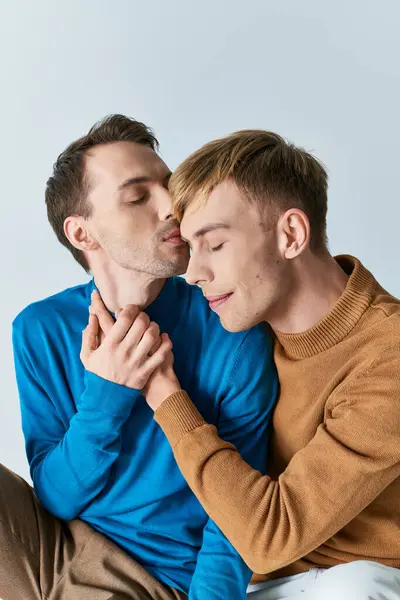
{"points": [[78, 233], [293, 233]]}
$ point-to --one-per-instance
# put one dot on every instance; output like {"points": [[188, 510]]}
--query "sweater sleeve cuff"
{"points": [[177, 416], [108, 397]]}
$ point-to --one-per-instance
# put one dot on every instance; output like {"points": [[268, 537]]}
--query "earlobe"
{"points": [[78, 234]]}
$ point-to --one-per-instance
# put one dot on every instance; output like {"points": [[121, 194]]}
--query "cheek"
{"points": [[262, 264], [255, 284], [227, 265], [129, 226], [247, 266]]}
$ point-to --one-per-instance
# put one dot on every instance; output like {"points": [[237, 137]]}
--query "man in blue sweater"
{"points": [[116, 518]]}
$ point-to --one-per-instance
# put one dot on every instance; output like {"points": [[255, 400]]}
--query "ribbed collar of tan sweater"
{"points": [[340, 320]]}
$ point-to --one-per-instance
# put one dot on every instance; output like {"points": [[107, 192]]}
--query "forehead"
{"points": [[110, 164], [226, 204]]}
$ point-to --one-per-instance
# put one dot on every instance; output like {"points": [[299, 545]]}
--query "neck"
{"points": [[316, 284], [119, 287]]}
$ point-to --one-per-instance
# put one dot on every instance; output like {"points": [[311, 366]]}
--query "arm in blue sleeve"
{"points": [[70, 463], [244, 421]]}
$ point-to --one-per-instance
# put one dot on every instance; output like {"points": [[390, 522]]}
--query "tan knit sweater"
{"points": [[333, 490]]}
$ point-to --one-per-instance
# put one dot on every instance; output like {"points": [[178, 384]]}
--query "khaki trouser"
{"points": [[44, 558]]}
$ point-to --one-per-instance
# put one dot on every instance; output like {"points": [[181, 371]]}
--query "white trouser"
{"points": [[360, 580]]}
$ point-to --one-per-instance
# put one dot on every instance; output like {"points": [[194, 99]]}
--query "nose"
{"points": [[198, 273], [164, 204]]}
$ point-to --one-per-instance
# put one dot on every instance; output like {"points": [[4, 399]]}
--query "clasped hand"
{"points": [[130, 351]]}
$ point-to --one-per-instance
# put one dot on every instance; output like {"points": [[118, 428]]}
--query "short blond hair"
{"points": [[266, 168]]}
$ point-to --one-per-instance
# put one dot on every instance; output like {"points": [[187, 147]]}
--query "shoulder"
{"points": [[377, 337], [42, 313]]}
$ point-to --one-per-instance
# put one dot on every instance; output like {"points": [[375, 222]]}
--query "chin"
{"points": [[236, 322], [178, 271], [180, 265], [170, 266], [232, 325], [172, 269], [177, 263]]}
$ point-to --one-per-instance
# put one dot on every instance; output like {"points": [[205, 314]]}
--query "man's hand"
{"points": [[125, 354], [162, 383]]}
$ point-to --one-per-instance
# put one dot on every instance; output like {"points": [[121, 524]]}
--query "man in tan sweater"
{"points": [[325, 521]]}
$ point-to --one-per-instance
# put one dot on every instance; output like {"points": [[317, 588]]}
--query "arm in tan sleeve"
{"points": [[354, 455]]}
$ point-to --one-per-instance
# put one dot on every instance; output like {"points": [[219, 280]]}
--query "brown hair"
{"points": [[266, 168], [67, 189]]}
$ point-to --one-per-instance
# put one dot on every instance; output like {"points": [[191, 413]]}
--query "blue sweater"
{"points": [[95, 451]]}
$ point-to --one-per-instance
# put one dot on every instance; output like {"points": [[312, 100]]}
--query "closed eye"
{"points": [[216, 248], [141, 200]]}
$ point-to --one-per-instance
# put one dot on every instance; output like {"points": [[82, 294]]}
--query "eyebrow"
{"points": [[137, 180], [207, 228]]}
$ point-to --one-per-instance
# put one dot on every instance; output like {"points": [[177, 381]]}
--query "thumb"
{"points": [[90, 341]]}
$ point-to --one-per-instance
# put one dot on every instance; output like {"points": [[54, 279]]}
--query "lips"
{"points": [[173, 236], [217, 298], [216, 301], [174, 240]]}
